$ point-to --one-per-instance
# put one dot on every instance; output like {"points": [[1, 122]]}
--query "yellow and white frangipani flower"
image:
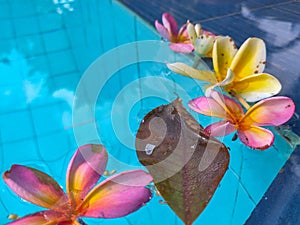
{"points": [[202, 40], [239, 72]]}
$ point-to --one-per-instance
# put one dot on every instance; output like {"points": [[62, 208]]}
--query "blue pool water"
{"points": [[46, 48]]}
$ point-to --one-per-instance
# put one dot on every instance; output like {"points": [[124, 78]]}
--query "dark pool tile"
{"points": [[183, 10], [280, 205], [276, 13], [292, 7]]}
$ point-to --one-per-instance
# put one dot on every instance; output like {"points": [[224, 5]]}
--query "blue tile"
{"points": [[6, 46], [4, 10], [84, 56], [54, 147], [48, 119], [145, 31], [14, 68], [26, 26], [12, 98], [108, 33], [128, 23], [258, 4], [30, 45], [77, 36], [56, 40], [73, 19], [67, 81], [50, 22], [22, 8], [16, 126], [38, 88], [20, 152], [56, 150], [6, 29], [44, 7], [39, 63], [61, 62]]}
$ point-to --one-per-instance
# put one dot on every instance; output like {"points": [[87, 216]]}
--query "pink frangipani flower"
{"points": [[272, 111], [180, 41], [114, 197]]}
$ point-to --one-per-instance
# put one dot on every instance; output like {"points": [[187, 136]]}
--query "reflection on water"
{"points": [[279, 33], [20, 83], [63, 5]]}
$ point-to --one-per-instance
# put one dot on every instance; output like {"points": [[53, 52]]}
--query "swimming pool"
{"points": [[46, 48]]}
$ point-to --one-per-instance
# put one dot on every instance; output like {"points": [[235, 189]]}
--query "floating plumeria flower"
{"points": [[273, 111], [180, 41], [114, 197], [238, 72], [202, 40]]}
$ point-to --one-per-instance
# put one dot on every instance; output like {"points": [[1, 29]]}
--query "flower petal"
{"points": [[118, 195], [256, 137], [208, 33], [162, 30], [74, 222], [256, 87], [224, 50], [198, 29], [85, 169], [270, 112], [183, 35], [185, 70], [250, 58], [208, 106], [232, 108], [181, 48], [191, 32], [170, 23], [36, 187], [40, 218], [203, 45], [220, 129], [228, 80]]}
